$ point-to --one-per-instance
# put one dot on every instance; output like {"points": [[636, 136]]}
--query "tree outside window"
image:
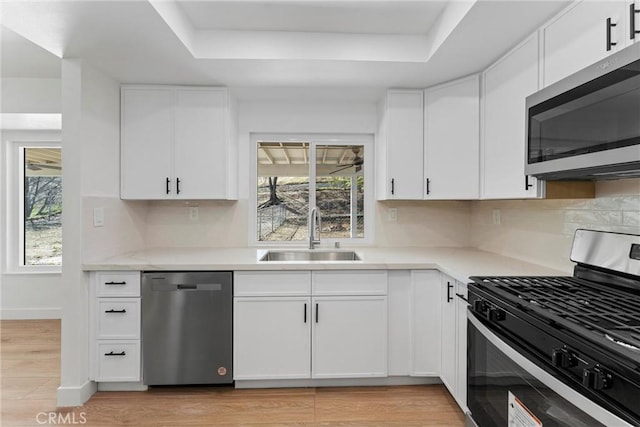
{"points": [[288, 187], [41, 241]]}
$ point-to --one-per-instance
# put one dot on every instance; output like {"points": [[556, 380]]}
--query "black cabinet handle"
{"points": [[111, 353], [316, 312], [462, 297], [177, 185], [428, 186], [610, 26], [393, 186], [115, 283], [527, 186], [168, 183], [449, 287], [305, 312], [632, 21], [116, 311]]}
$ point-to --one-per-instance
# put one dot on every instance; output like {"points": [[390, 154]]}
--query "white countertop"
{"points": [[459, 263]]}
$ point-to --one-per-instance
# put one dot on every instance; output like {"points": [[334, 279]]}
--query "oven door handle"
{"points": [[586, 405]]}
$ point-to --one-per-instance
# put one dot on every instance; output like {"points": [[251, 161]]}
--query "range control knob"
{"points": [[479, 306], [563, 358], [495, 314], [596, 378]]}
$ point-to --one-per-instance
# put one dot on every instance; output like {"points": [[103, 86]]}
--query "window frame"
{"points": [[366, 140], [14, 207]]}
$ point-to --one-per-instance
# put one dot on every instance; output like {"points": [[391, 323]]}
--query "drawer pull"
{"points": [[116, 311], [111, 353], [115, 283]]}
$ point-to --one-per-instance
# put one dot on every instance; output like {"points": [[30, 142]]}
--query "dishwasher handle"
{"points": [[173, 287]]}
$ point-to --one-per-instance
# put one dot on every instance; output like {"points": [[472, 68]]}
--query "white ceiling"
{"points": [[344, 44]]}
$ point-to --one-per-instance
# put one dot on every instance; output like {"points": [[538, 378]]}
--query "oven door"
{"points": [[505, 388]]}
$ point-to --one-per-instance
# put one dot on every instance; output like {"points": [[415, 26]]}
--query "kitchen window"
{"points": [[34, 206], [295, 173]]}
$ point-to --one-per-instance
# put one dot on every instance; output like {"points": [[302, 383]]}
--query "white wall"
{"points": [[541, 231], [30, 95]]}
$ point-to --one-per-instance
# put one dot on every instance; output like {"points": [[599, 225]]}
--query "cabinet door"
{"points": [[448, 360], [578, 37], [426, 304], [452, 140], [272, 338], [461, 345], [349, 337], [146, 143], [506, 85], [404, 145], [200, 146], [633, 18]]}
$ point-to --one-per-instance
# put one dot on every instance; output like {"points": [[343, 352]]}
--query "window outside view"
{"points": [[286, 190], [42, 240]]}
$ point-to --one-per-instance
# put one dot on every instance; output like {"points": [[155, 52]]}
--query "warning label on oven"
{"points": [[520, 415]]}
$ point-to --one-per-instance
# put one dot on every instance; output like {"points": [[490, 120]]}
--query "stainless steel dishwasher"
{"points": [[187, 329]]}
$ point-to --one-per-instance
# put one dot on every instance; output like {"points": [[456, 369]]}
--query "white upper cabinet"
{"points": [[399, 145], [451, 140], [146, 142], [506, 85], [177, 143], [582, 35]]}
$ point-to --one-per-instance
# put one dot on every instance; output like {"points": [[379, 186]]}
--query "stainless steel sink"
{"points": [[312, 255]]}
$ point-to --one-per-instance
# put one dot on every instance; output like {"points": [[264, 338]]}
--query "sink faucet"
{"points": [[314, 217]]}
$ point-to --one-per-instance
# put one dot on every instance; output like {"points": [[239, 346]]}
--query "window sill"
{"points": [[33, 271]]}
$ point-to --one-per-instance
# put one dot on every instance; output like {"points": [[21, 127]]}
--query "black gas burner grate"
{"points": [[607, 311]]}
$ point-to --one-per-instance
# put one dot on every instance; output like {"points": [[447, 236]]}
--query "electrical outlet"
{"points": [[193, 213], [496, 217], [98, 217], [392, 214]]}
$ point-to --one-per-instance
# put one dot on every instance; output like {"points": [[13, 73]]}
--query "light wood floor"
{"points": [[30, 369]]}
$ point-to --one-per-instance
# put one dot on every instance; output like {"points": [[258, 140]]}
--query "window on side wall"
{"points": [[35, 207], [295, 174]]}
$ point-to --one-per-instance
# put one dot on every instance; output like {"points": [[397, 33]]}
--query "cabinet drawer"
{"points": [[118, 318], [118, 283], [353, 282], [271, 283], [118, 361]]}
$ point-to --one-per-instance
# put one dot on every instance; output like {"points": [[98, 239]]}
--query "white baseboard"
{"points": [[76, 395], [338, 382], [30, 313]]}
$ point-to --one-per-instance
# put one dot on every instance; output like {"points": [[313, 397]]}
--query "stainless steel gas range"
{"points": [[559, 351]]}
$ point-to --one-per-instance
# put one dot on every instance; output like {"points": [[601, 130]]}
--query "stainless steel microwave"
{"points": [[587, 126]]}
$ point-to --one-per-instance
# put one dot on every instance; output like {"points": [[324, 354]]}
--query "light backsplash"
{"points": [[424, 224], [541, 231]]}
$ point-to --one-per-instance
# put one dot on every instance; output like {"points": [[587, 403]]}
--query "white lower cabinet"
{"points": [[349, 337], [298, 337], [272, 337], [115, 326], [425, 322], [453, 365]]}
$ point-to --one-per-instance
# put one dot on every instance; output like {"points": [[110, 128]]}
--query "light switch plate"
{"points": [[496, 217], [98, 217], [392, 214], [193, 213]]}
